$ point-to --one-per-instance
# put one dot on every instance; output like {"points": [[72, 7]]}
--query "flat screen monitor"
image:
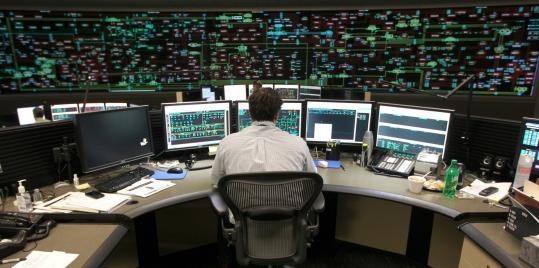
{"points": [[345, 121], [528, 143], [235, 92], [111, 138], [26, 115], [115, 105], [287, 91], [263, 85], [290, 117], [64, 111], [92, 107], [195, 124], [207, 93], [310, 92], [410, 129]]}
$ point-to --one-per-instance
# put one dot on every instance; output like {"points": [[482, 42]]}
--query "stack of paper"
{"points": [[44, 259], [78, 201], [477, 186], [146, 187]]}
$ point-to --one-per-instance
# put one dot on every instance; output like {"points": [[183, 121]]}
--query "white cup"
{"points": [[415, 184]]}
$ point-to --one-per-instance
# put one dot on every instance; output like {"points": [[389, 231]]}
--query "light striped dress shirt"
{"points": [[261, 147]]}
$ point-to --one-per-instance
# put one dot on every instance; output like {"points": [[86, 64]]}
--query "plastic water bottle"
{"points": [[368, 140], [451, 179], [524, 168]]}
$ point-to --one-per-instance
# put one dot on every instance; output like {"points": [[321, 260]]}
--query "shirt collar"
{"points": [[263, 123]]}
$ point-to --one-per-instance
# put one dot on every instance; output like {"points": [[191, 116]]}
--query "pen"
{"points": [[343, 168], [55, 201], [138, 186], [12, 260]]}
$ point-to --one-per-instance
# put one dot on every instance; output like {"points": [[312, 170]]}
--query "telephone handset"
{"points": [[11, 220], [394, 164]]}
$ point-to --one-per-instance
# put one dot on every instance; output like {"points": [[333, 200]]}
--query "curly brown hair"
{"points": [[264, 104]]}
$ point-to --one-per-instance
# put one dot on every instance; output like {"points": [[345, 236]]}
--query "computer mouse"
{"points": [[132, 202], [175, 170]]}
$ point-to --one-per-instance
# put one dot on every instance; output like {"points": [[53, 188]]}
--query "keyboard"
{"points": [[123, 180]]}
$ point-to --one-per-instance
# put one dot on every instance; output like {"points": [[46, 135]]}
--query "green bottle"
{"points": [[451, 179]]}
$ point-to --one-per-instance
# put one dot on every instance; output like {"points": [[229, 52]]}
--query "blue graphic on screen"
{"points": [[289, 119]]}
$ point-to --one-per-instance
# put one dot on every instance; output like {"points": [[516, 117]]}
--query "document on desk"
{"points": [[146, 187], [78, 201], [44, 259], [477, 186]]}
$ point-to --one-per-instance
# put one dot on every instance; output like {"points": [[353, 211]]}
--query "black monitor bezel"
{"points": [[435, 109], [303, 115], [349, 144], [163, 105], [81, 152]]}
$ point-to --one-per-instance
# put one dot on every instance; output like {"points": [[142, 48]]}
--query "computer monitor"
{"points": [[290, 117], [115, 105], [195, 124], [64, 111], [207, 93], [528, 143], [251, 86], [111, 138], [345, 121], [409, 129], [287, 91], [92, 107], [26, 115], [235, 92], [310, 92]]}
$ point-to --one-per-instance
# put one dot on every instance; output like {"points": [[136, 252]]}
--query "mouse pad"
{"points": [[331, 163], [163, 175]]}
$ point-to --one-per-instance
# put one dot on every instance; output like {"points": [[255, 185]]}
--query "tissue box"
{"points": [[529, 250]]}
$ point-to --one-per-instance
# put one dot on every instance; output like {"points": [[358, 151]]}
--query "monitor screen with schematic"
{"points": [[529, 144], [190, 125], [290, 117], [64, 111], [406, 133], [111, 138], [343, 121]]}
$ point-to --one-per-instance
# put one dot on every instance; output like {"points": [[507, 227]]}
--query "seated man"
{"points": [[262, 146], [39, 116]]}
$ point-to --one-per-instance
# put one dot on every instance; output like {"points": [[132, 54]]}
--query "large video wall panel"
{"points": [[431, 49]]}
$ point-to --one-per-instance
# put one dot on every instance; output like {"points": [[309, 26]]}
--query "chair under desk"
{"points": [[338, 185]]}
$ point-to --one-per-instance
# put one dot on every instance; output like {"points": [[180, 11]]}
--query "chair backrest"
{"points": [[270, 210]]}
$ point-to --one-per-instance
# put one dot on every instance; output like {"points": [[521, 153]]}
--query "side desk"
{"points": [[494, 242], [93, 242]]}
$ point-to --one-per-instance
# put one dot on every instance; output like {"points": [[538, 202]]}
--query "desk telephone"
{"points": [[18, 228], [391, 163]]}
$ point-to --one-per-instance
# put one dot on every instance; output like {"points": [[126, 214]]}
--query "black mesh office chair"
{"points": [[271, 215]]}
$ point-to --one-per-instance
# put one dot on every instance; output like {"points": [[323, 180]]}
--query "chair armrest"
{"points": [[319, 204], [218, 203]]}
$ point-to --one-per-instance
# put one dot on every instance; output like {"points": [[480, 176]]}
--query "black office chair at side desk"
{"points": [[275, 215]]}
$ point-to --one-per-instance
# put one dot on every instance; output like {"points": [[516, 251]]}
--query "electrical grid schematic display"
{"points": [[346, 122], [289, 120], [409, 130], [431, 49], [192, 125]]}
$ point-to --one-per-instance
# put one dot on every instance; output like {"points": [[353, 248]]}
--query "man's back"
{"points": [[261, 147]]}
